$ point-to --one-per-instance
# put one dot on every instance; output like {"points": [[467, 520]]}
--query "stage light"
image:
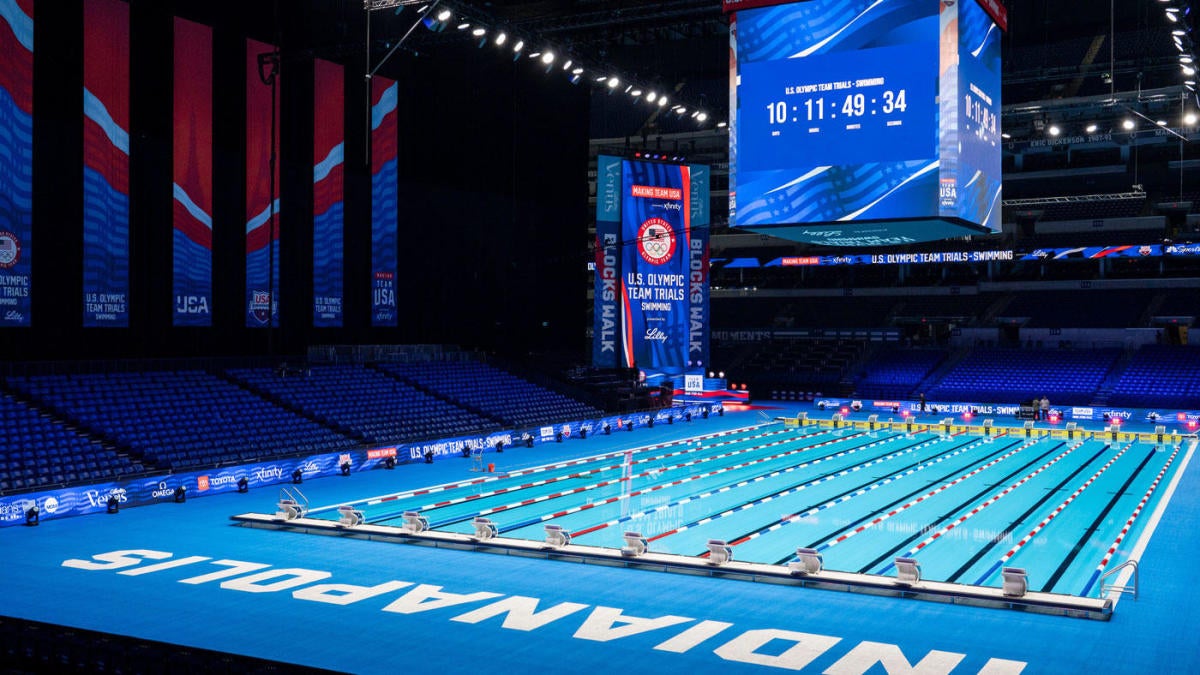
{"points": [[519, 46], [345, 468], [32, 516], [679, 110], [180, 494], [602, 78], [528, 438], [583, 432], [635, 93], [500, 446], [548, 58], [1127, 125], [479, 32], [662, 101], [1054, 130], [501, 38], [463, 26], [243, 485], [1091, 128], [702, 117], [113, 505], [628, 87], [577, 71], [721, 374], [558, 437], [1161, 123], [607, 429], [651, 96], [389, 463], [444, 15], [567, 65], [297, 476], [722, 125], [613, 82]]}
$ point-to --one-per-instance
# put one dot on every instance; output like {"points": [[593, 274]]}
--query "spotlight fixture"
{"points": [[444, 15], [613, 82], [1189, 119], [463, 26], [479, 32], [701, 117], [345, 468], [1091, 128], [519, 46], [1128, 125], [548, 58], [577, 71], [662, 101], [567, 65], [1054, 130], [243, 485], [501, 38]]}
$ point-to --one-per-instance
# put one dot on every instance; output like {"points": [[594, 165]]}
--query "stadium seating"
{"points": [[174, 419], [372, 405], [498, 394], [1012, 375], [38, 451], [894, 372], [1160, 375]]}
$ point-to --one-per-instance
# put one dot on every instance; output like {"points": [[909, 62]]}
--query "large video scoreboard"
{"points": [[865, 122]]}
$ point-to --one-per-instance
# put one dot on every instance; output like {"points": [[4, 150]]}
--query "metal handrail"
{"points": [[1105, 589]]}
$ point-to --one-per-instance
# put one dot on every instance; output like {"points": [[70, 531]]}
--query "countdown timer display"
{"points": [[861, 112]]}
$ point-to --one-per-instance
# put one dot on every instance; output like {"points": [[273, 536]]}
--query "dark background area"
{"points": [[493, 193]]}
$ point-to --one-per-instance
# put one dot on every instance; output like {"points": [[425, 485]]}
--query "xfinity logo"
{"points": [[267, 474]]}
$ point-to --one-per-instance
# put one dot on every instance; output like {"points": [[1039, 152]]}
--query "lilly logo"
{"points": [[655, 335]]}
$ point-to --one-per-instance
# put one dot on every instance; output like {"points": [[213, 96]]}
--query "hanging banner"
{"points": [[608, 262], [262, 186], [384, 207], [193, 174], [16, 160], [105, 163], [329, 141]]}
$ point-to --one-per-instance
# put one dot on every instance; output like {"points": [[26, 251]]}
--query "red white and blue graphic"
{"points": [[16, 160], [105, 163], [193, 174], [384, 201], [262, 189], [329, 143], [652, 269]]}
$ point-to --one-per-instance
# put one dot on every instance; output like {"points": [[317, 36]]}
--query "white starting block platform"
{"points": [[937, 591]]}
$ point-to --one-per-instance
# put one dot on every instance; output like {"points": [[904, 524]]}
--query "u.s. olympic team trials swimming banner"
{"points": [[193, 174], [145, 490], [329, 142], [652, 269], [16, 160], [384, 205], [262, 213], [105, 163]]}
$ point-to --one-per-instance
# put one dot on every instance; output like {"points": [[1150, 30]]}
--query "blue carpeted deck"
{"points": [[587, 618]]}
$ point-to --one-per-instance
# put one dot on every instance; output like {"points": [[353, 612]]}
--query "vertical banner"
{"points": [[384, 206], [605, 326], [656, 217], [105, 163], [193, 174], [16, 160], [698, 312], [262, 212], [329, 140]]}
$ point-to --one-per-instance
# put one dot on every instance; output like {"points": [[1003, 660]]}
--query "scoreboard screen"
{"points": [[860, 122]]}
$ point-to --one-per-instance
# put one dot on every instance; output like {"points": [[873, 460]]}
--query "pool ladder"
{"points": [[1105, 589]]}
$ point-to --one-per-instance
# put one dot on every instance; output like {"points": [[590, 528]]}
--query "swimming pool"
{"points": [[964, 505]]}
